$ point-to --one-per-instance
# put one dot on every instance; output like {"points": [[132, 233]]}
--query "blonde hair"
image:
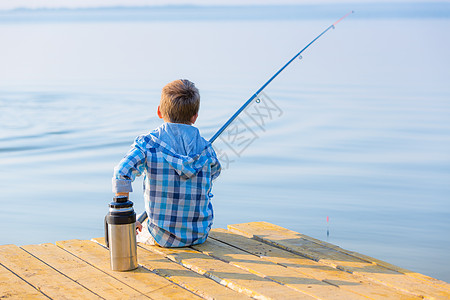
{"points": [[180, 101]]}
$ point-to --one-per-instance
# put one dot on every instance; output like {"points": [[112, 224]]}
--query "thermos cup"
{"points": [[120, 234]]}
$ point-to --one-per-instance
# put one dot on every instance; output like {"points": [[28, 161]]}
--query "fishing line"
{"points": [[255, 96]]}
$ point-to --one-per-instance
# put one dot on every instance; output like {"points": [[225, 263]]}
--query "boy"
{"points": [[178, 166]]}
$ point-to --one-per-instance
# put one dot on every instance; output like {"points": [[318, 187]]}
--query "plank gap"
{"points": [[23, 279], [143, 263], [106, 274], [62, 273], [239, 266], [280, 264], [210, 275], [275, 272], [340, 259]]}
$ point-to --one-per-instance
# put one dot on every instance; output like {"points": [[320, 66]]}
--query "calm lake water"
{"points": [[357, 131]]}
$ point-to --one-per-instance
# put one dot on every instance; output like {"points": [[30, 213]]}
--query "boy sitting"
{"points": [[179, 166]]}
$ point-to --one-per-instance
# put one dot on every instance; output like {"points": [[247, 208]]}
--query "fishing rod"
{"points": [[141, 218], [255, 95]]}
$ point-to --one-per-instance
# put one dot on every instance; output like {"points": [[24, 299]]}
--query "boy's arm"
{"points": [[130, 166], [125, 172]]}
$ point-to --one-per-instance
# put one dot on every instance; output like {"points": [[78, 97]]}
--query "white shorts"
{"points": [[144, 235]]}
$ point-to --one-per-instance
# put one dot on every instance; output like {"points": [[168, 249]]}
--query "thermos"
{"points": [[120, 234]]}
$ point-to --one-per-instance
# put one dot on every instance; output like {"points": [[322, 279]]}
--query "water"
{"points": [[360, 133]]}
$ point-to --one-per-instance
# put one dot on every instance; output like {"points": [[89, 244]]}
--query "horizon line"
{"points": [[224, 5]]}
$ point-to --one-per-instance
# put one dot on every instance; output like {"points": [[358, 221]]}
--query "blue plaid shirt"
{"points": [[179, 166]]}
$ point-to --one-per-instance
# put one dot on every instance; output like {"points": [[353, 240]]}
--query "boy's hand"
{"points": [[138, 227]]}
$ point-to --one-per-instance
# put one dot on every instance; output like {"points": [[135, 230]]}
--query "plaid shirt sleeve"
{"points": [[132, 165], [215, 169]]}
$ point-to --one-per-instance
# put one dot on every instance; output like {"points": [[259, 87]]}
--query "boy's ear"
{"points": [[194, 118], [159, 113]]}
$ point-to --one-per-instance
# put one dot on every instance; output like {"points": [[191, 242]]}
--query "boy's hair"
{"points": [[180, 101]]}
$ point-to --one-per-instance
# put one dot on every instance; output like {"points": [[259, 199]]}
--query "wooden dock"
{"points": [[252, 260]]}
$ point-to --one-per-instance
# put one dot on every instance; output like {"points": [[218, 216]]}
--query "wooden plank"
{"points": [[297, 243], [308, 267], [14, 287], [407, 272], [235, 278], [293, 241], [286, 233], [83, 273], [194, 282], [41, 276], [141, 279], [303, 283]]}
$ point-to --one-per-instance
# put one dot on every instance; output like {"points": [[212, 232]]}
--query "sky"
{"points": [[11, 4]]}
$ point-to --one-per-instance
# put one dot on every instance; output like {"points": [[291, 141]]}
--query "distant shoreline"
{"points": [[223, 13]]}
